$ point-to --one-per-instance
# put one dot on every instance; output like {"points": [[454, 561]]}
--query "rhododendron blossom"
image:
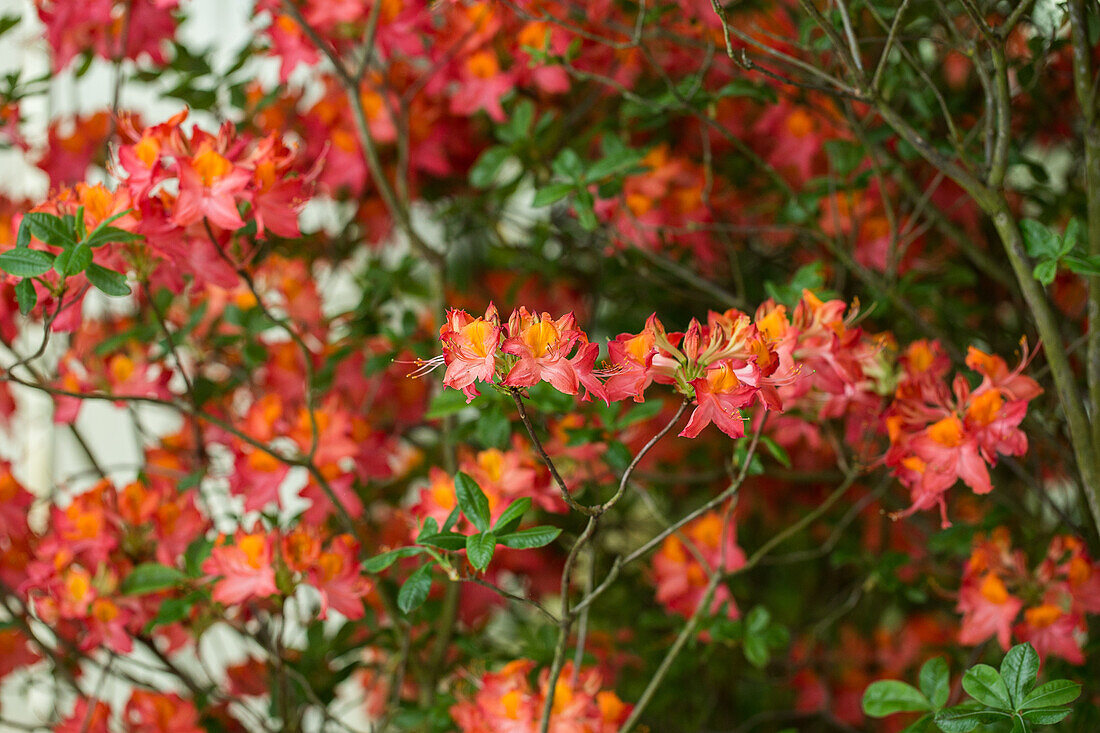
{"points": [[506, 701], [1055, 598], [939, 436], [682, 567]]}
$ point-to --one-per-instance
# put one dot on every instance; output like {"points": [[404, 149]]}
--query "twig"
{"points": [[566, 495], [890, 38]]}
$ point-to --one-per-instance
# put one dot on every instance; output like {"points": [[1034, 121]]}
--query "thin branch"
{"points": [[891, 36], [566, 495], [688, 631]]}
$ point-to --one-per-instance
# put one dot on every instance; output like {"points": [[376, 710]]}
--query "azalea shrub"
{"points": [[551, 366]]}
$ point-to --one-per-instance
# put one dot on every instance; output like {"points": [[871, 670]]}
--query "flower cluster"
{"points": [[682, 567], [1054, 598], [145, 712], [110, 29], [503, 476], [180, 200], [72, 575], [262, 563], [726, 365], [939, 435], [507, 701]]}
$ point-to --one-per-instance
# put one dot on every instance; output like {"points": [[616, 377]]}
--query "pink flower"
{"points": [[988, 610], [543, 346], [1053, 631], [257, 477], [681, 578], [244, 569], [209, 185], [470, 348], [154, 712], [338, 578], [631, 356], [481, 86], [719, 398]]}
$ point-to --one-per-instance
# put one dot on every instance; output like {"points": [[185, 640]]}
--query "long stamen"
{"points": [[424, 366]]}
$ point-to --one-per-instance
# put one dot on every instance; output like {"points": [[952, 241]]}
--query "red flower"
{"points": [[680, 575], [337, 575], [242, 570], [154, 712]]}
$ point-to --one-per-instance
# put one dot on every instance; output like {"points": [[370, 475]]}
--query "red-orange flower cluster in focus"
{"points": [[507, 702], [726, 365], [1054, 598]]}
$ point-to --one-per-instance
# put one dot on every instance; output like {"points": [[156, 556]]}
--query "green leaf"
{"points": [[568, 164], [757, 620], [844, 155], [641, 412], [151, 577], [1019, 669], [617, 455], [509, 518], [1045, 271], [447, 402], [472, 501], [935, 681], [430, 527], [378, 563], [553, 192], [450, 541], [1055, 692], [111, 235], [7, 22], [50, 229], [586, 214], [1046, 716], [73, 261], [923, 724], [1088, 266], [1040, 241], [742, 88], [756, 651], [414, 591], [1069, 237], [777, 452], [527, 539], [480, 548], [25, 262], [617, 159], [484, 171], [887, 697], [174, 609], [23, 238], [493, 429], [984, 684], [452, 519], [26, 295], [107, 281], [519, 124], [195, 554], [964, 718]]}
